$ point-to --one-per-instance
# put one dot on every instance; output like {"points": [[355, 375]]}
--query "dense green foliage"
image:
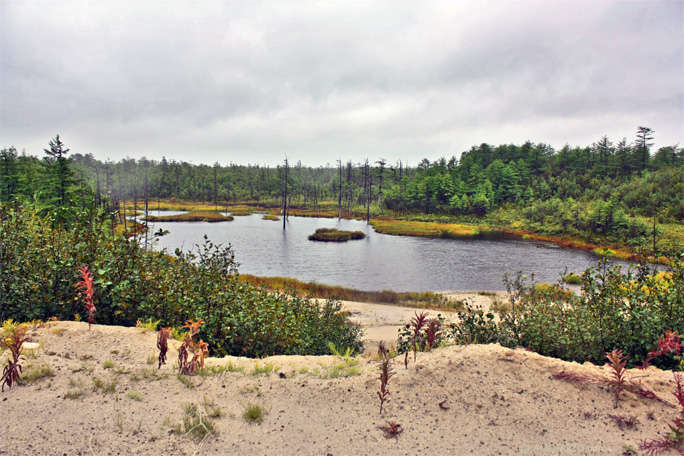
{"points": [[617, 310], [40, 257], [605, 193]]}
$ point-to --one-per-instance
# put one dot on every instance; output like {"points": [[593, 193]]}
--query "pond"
{"points": [[378, 262]]}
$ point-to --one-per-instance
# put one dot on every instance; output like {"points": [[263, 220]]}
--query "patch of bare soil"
{"points": [[104, 395]]}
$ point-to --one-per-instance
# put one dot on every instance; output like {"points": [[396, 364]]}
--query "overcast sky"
{"points": [[254, 81]]}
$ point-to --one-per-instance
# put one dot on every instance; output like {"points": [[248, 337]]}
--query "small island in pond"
{"points": [[192, 217], [335, 235]]}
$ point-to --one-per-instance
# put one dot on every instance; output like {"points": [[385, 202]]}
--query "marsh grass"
{"points": [[335, 235], [192, 217], [271, 217], [423, 300], [427, 229]]}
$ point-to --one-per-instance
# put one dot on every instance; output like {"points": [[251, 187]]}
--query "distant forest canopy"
{"points": [[589, 188]]}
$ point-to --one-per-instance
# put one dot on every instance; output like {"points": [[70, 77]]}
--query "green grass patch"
{"points": [[253, 413], [271, 217], [427, 229], [35, 373], [265, 369]]}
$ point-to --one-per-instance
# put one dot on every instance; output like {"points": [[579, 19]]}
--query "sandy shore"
{"points": [[493, 400]]}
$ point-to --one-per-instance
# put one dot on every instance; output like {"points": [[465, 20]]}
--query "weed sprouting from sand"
{"points": [[162, 345], [85, 285], [12, 338], [185, 380], [36, 373], [625, 421], [253, 413], [674, 439], [386, 372], [104, 386], [391, 429], [617, 362], [266, 369], [135, 395], [199, 350], [617, 381]]}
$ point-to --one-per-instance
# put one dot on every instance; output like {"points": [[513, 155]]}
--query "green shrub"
{"points": [[617, 310], [42, 255]]}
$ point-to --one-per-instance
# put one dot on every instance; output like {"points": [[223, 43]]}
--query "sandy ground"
{"points": [[496, 401]]}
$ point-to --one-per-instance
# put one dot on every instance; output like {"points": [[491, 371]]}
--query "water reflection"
{"points": [[378, 262]]}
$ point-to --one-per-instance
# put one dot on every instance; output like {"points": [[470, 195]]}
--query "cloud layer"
{"points": [[253, 81]]}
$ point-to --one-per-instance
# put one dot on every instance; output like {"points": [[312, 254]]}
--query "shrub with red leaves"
{"points": [[86, 287]]}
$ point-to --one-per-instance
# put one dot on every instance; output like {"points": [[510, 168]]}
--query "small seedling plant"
{"points": [[199, 350], [85, 286], [163, 345], [12, 338], [617, 381], [617, 362], [386, 372]]}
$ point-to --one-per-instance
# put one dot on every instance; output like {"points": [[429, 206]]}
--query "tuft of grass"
{"points": [[195, 423], [192, 217], [185, 380], [58, 331], [135, 395], [208, 371], [147, 325], [271, 217], [266, 369], [74, 394], [151, 358], [108, 364], [35, 373], [253, 413], [104, 386]]}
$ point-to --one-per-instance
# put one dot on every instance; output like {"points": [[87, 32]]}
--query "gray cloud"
{"points": [[252, 81]]}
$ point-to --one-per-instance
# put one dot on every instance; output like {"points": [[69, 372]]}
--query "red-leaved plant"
{"points": [[670, 343], [417, 324], [13, 337], [199, 349], [675, 438], [86, 287], [617, 379], [163, 344], [386, 372]]}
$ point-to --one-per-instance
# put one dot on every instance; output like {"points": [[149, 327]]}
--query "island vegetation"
{"points": [[211, 217], [335, 235]]}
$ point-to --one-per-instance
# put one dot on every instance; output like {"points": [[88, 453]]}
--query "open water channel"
{"points": [[378, 262]]}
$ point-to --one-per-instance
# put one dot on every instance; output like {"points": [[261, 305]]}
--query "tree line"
{"points": [[595, 187]]}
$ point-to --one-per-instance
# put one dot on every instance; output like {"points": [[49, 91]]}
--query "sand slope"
{"points": [[500, 401]]}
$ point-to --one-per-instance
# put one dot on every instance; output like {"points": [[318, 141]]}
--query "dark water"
{"points": [[378, 262]]}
